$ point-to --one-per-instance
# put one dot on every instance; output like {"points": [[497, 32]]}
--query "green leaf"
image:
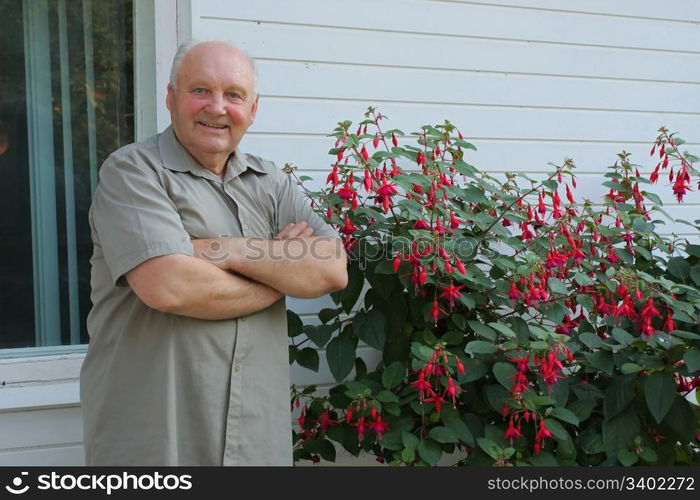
{"points": [[452, 419], [348, 296], [557, 286], [321, 447], [565, 416], [292, 354], [627, 458], [503, 329], [504, 373], [408, 455], [482, 329], [430, 451], [308, 358], [603, 360], [619, 431], [679, 267], [555, 312], [659, 392], [557, 429], [326, 314], [443, 435], [680, 420], [692, 361], [294, 324], [370, 328], [391, 441], [340, 354], [649, 455], [393, 374], [591, 340], [622, 336], [480, 347], [474, 370], [630, 368], [619, 395], [490, 448], [410, 440], [583, 279], [387, 397], [582, 408], [319, 335]]}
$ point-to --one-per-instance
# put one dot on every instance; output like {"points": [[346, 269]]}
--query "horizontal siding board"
{"points": [[41, 428], [677, 10], [310, 153], [40, 369], [63, 456], [309, 116], [493, 22], [385, 48], [339, 81]]}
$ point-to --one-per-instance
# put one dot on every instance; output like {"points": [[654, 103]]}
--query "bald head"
{"points": [[186, 48]]}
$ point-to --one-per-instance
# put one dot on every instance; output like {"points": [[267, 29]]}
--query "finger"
{"points": [[282, 235], [307, 232], [296, 231]]}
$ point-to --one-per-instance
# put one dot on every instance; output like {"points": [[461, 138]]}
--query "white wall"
{"points": [[528, 81]]}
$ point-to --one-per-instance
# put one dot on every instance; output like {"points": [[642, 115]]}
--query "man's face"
{"points": [[214, 102]]}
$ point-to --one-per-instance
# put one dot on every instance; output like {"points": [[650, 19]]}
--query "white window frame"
{"points": [[48, 377]]}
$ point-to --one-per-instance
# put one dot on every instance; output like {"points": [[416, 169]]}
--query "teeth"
{"points": [[212, 125]]}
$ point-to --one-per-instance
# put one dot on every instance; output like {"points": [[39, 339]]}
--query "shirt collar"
{"points": [[175, 157]]}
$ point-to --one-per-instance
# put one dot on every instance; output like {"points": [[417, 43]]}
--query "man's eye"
{"points": [[199, 91], [233, 95]]}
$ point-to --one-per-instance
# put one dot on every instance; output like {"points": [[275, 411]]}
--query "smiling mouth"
{"points": [[215, 126]]}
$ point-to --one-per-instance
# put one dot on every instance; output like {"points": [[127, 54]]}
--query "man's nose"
{"points": [[216, 103]]}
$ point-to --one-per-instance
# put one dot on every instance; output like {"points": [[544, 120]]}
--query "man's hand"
{"points": [[295, 230]]}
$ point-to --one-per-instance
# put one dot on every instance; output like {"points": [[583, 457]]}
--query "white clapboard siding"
{"points": [[527, 81]]}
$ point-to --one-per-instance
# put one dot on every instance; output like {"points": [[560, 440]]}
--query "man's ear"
{"points": [[255, 109], [170, 97]]}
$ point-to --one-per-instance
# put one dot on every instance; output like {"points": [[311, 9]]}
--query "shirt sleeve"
{"points": [[133, 217], [295, 207]]}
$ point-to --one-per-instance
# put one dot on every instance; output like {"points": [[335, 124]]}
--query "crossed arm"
{"points": [[232, 277]]}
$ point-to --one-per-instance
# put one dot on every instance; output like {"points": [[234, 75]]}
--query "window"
{"points": [[66, 102]]}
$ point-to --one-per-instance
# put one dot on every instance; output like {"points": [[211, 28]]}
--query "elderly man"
{"points": [[195, 246]]}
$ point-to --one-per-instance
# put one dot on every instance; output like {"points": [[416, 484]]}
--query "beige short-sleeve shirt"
{"points": [[163, 389]]}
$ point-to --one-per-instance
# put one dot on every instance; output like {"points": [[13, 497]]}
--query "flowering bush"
{"points": [[515, 324]]}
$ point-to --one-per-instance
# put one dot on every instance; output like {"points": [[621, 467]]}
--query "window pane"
{"points": [[66, 102]]}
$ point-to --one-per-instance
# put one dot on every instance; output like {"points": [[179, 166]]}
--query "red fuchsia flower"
{"points": [[512, 432], [423, 386], [460, 366], [654, 175], [541, 435], [397, 262], [394, 140], [451, 390], [526, 234], [460, 267], [669, 326], [375, 141], [682, 184], [451, 292], [612, 256], [437, 400], [302, 417], [367, 182], [649, 310], [333, 176], [454, 221], [520, 384], [325, 421], [364, 154], [340, 154], [348, 228], [556, 203], [626, 308], [541, 207], [566, 325], [514, 293], [569, 195], [361, 428], [435, 311], [421, 159], [348, 415], [379, 426], [421, 224]]}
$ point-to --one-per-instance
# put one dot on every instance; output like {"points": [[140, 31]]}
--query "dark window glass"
{"points": [[66, 102]]}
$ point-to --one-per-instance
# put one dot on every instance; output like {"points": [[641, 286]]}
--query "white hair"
{"points": [[187, 46]]}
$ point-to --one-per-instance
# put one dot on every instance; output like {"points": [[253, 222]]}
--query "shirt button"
{"points": [[245, 227], [237, 368], [242, 318]]}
